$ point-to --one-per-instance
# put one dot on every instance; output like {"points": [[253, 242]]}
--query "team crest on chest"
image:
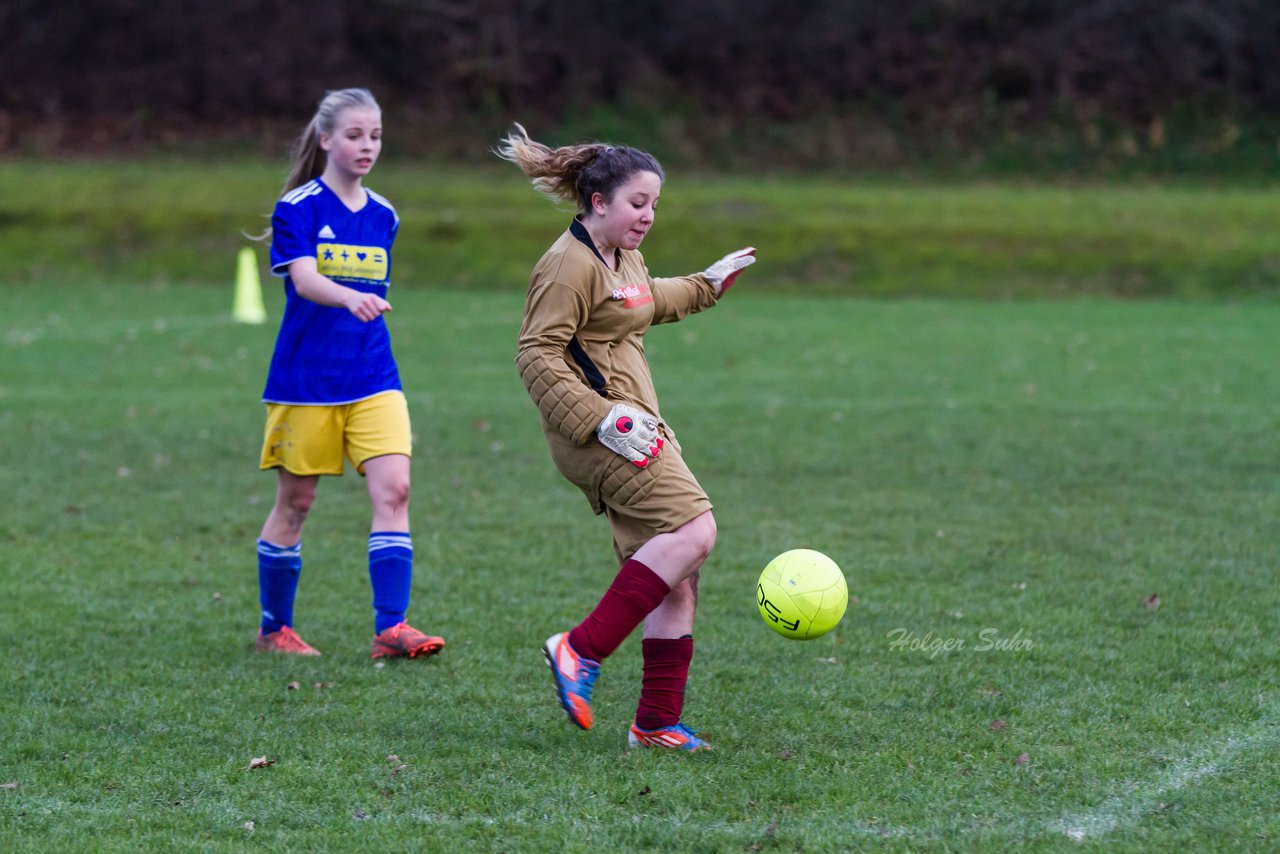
{"points": [[345, 261], [633, 296]]}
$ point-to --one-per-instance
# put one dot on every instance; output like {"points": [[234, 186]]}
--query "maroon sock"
{"points": [[666, 670], [635, 592]]}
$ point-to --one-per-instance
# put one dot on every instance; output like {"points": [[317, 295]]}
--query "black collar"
{"points": [[578, 230]]}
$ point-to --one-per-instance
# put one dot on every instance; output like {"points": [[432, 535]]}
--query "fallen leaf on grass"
{"points": [[1023, 758], [1152, 601], [321, 685], [293, 686], [997, 725], [260, 762], [359, 814]]}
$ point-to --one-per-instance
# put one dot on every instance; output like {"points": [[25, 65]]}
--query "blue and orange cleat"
{"points": [[677, 737], [285, 640], [574, 676], [403, 640]]}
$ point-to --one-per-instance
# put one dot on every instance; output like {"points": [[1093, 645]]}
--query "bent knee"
{"points": [[701, 535]]}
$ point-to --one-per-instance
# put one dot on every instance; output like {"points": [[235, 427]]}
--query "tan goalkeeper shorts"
{"points": [[309, 440], [640, 503]]}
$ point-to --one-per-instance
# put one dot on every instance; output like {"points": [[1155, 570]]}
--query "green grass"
{"points": [[158, 221], [1033, 469]]}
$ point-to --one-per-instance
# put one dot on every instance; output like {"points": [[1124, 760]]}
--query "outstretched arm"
{"points": [[675, 299]]}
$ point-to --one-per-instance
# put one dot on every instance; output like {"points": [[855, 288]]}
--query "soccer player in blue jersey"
{"points": [[333, 388]]}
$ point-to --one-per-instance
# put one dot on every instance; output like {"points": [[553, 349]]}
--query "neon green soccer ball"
{"points": [[802, 594]]}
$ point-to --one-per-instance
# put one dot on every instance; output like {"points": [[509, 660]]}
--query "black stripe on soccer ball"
{"points": [[772, 611]]}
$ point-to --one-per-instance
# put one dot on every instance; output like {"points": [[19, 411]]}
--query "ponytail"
{"points": [[308, 158], [575, 173]]}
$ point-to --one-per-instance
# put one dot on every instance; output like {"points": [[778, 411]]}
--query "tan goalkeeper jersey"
{"points": [[581, 347]]}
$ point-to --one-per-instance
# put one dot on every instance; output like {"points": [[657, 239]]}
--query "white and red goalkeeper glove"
{"points": [[631, 433], [723, 272]]}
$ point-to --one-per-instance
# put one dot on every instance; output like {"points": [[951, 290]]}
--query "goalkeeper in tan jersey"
{"points": [[581, 356]]}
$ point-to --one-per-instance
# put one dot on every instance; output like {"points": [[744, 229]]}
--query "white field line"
{"points": [[1115, 813], [1140, 798]]}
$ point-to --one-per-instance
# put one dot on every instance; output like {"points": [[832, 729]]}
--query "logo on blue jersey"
{"points": [[344, 261]]}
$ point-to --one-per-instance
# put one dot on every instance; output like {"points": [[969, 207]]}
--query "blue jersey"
{"points": [[326, 355]]}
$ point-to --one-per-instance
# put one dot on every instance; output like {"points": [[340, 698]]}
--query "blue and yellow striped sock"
{"points": [[278, 571], [390, 573]]}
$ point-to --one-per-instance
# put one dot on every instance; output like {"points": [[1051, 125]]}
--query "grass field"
{"points": [[1059, 521]]}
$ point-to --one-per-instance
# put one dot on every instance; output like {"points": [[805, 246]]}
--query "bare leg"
{"points": [[294, 496], [676, 558], [388, 480]]}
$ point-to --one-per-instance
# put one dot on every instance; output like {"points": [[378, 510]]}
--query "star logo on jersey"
{"points": [[345, 261], [326, 233]]}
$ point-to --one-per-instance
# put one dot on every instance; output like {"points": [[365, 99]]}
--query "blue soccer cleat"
{"points": [[677, 737], [574, 676]]}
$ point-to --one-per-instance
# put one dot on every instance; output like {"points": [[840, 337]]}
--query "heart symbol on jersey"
{"points": [[362, 255]]}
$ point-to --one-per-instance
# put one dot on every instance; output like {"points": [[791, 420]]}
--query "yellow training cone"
{"points": [[248, 307]]}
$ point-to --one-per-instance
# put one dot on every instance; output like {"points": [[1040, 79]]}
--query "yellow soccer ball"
{"points": [[802, 594]]}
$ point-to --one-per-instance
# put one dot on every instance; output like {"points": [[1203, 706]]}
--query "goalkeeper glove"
{"points": [[723, 272], [631, 433]]}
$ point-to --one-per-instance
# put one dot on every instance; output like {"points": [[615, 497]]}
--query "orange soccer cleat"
{"points": [[403, 639], [286, 641]]}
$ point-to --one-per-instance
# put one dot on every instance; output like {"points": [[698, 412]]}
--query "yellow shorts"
{"points": [[309, 440]]}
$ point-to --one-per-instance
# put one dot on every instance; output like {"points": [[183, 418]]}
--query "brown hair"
{"points": [[574, 173]]}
